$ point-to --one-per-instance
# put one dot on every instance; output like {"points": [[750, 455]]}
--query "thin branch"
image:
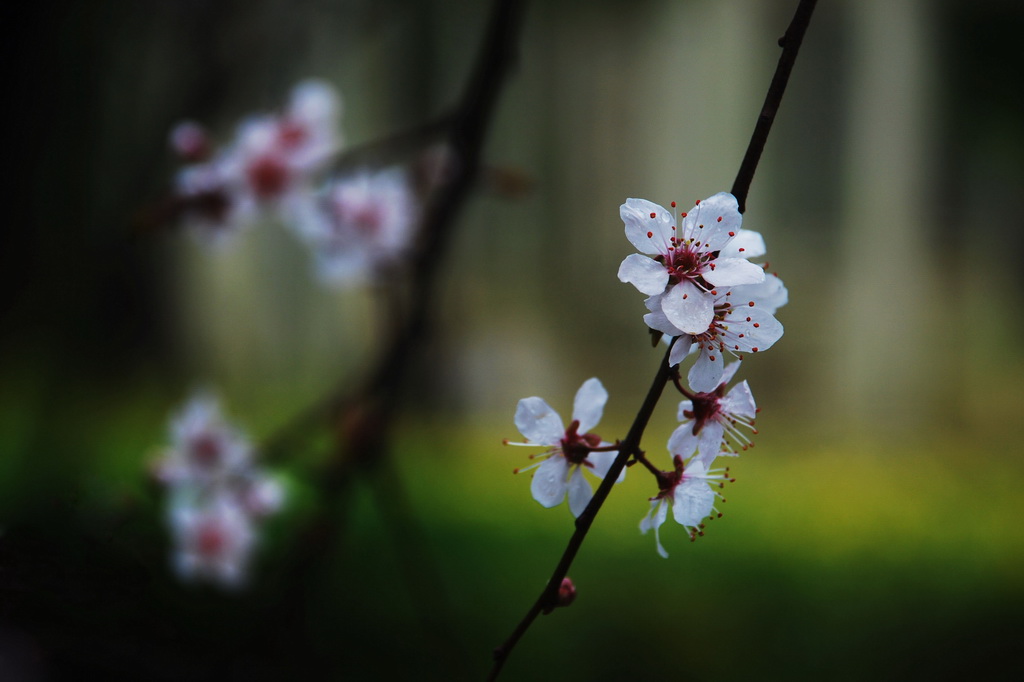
{"points": [[790, 44], [630, 446]]}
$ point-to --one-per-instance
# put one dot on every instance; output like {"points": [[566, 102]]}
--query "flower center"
{"points": [[268, 176], [575, 446], [706, 407], [205, 449], [211, 539]]}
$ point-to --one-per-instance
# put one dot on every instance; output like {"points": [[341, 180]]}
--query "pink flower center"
{"points": [[211, 540], [576, 447], [291, 134], [706, 406], [206, 449], [268, 176]]}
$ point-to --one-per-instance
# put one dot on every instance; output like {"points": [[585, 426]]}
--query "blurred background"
{"points": [[874, 530]]}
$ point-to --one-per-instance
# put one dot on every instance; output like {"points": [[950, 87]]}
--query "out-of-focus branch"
{"points": [[362, 417]]}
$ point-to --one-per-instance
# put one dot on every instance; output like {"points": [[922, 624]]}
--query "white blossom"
{"points": [[738, 325], [217, 496], [712, 421], [362, 224], [688, 493], [571, 450], [684, 261]]}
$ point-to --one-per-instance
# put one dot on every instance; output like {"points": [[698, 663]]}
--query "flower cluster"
{"points": [[702, 289], [217, 495], [707, 299], [278, 163], [271, 163]]}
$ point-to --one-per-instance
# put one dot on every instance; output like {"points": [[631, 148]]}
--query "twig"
{"points": [[630, 446], [790, 44]]}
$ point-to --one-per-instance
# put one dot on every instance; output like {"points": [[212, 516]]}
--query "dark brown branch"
{"points": [[790, 44], [630, 446]]}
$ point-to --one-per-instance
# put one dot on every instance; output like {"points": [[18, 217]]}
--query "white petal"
{"points": [[549, 485], [692, 501], [647, 275], [769, 295], [702, 221], [656, 319], [730, 371], [759, 328], [589, 404], [538, 422], [682, 441], [684, 407], [709, 442], [680, 349], [579, 492], [688, 308], [740, 401], [706, 374], [655, 517], [636, 214], [602, 461], [734, 272], [746, 244]]}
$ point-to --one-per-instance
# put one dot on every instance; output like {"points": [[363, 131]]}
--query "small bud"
{"points": [[566, 592], [190, 141]]}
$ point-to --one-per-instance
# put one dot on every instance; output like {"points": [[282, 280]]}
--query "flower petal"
{"points": [[549, 485], [636, 214], [589, 404], [682, 441], [734, 272], [740, 401], [538, 422], [769, 295], [706, 373], [580, 492], [759, 328], [746, 244], [688, 308], [654, 518], [709, 443], [692, 501], [730, 371], [602, 461], [702, 222], [656, 319], [680, 349], [647, 275]]}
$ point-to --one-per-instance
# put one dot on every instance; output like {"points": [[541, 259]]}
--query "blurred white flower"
{"points": [[214, 542], [363, 223], [216, 494], [272, 164]]}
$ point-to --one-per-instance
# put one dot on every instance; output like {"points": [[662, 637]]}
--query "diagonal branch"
{"points": [[630, 446]]}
